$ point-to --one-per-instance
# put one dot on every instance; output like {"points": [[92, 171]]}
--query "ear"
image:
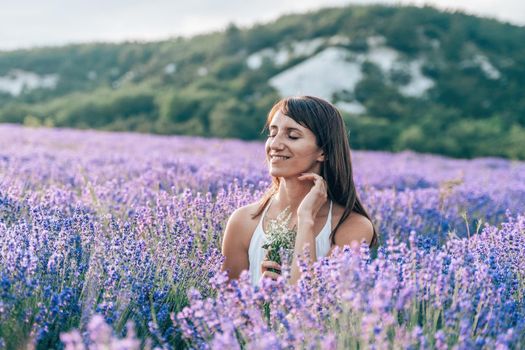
{"points": [[321, 157]]}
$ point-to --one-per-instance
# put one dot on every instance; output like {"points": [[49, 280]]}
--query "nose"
{"points": [[276, 142]]}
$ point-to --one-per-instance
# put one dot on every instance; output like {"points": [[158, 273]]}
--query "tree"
{"points": [[233, 39], [232, 118]]}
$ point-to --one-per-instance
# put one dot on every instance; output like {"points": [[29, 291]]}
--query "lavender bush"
{"points": [[117, 229]]}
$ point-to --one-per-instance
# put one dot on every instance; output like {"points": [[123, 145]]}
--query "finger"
{"points": [[316, 178], [313, 176], [309, 176], [320, 183], [269, 274], [271, 264], [270, 269]]}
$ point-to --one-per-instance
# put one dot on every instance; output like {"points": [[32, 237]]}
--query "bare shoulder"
{"points": [[236, 240], [356, 227], [241, 225], [243, 215]]}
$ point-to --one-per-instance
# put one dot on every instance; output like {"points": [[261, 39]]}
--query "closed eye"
{"points": [[289, 136]]}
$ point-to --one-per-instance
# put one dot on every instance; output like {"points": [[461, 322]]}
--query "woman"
{"points": [[308, 157]]}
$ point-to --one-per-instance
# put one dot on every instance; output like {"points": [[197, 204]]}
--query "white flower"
{"points": [[279, 235]]}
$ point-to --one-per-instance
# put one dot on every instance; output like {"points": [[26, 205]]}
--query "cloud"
{"points": [[55, 22]]}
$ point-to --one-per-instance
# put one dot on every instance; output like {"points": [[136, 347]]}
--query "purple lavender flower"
{"points": [[125, 225]]}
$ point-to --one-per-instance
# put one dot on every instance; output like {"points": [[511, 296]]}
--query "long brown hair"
{"points": [[325, 121]]}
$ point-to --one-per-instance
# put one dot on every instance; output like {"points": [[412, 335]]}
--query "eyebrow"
{"points": [[286, 128]]}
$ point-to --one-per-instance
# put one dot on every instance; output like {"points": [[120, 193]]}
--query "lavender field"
{"points": [[112, 240]]}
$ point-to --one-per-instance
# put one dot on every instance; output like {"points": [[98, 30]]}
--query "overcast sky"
{"points": [[28, 23]]}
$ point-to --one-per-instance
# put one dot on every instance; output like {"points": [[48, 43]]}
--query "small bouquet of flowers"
{"points": [[280, 239]]}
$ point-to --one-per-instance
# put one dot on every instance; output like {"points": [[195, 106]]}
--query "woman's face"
{"points": [[291, 149]]}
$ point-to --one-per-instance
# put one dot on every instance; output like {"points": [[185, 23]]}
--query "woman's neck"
{"points": [[291, 193]]}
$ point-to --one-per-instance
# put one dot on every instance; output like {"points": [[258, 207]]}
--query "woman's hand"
{"points": [[314, 200], [266, 272]]}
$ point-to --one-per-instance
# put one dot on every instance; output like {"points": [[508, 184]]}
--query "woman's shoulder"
{"points": [[242, 223], [245, 213], [355, 227], [338, 209]]}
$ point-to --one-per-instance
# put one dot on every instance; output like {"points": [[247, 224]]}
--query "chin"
{"points": [[281, 173], [276, 172]]}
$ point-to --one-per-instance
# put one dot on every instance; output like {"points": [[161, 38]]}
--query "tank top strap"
{"points": [[328, 225], [330, 218], [327, 228]]}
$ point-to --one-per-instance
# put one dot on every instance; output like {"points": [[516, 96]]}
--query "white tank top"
{"points": [[256, 252]]}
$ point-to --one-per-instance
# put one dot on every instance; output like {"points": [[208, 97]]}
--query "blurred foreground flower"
{"points": [[101, 337]]}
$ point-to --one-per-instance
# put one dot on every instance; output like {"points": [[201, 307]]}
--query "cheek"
{"points": [[305, 150]]}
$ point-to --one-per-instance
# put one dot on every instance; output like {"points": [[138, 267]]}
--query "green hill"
{"points": [[404, 77]]}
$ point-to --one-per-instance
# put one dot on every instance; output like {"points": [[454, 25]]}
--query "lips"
{"points": [[276, 158]]}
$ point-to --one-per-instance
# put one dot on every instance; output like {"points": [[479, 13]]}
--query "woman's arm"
{"points": [[234, 248], [305, 237], [306, 213]]}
